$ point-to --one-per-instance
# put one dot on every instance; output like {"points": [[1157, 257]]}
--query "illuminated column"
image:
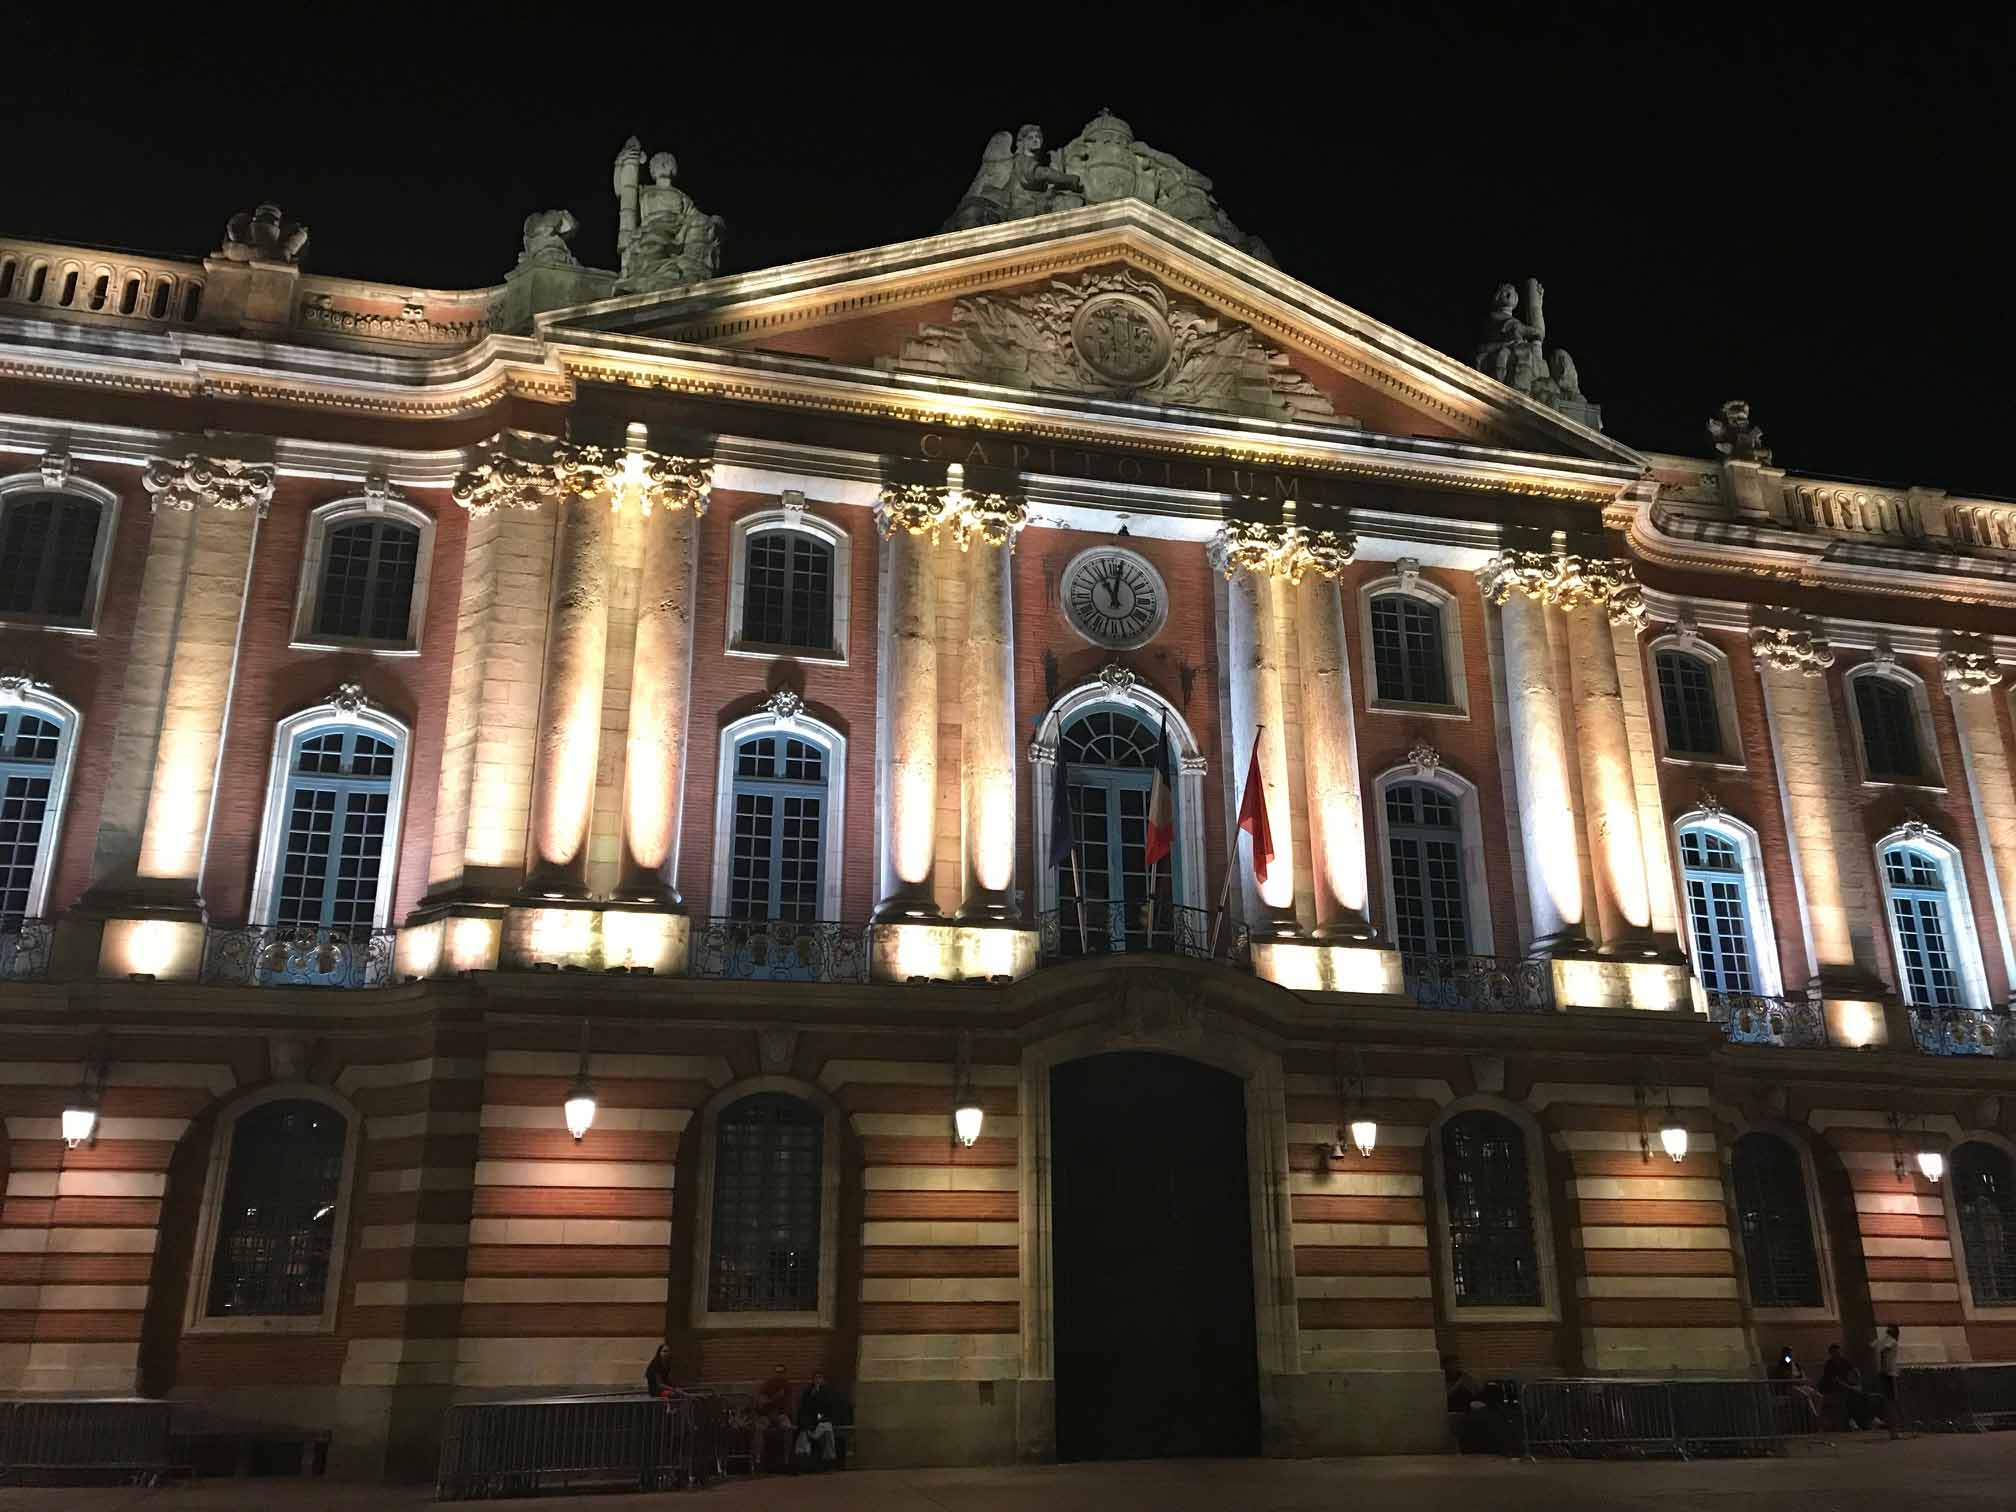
{"points": [[1595, 595], [1972, 679], [1330, 762], [987, 699], [910, 517], [570, 719], [1521, 583]]}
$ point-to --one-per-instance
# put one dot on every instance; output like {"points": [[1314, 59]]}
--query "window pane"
{"points": [[47, 545], [1984, 1186], [1687, 699], [1778, 1251], [276, 1223], [1407, 660], [367, 580], [1425, 851], [1889, 728], [1717, 911], [1492, 1257], [24, 541], [769, 1176], [335, 809], [1918, 908], [766, 588], [787, 590]]}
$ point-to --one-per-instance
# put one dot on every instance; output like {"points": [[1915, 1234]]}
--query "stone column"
{"points": [[1522, 584], [987, 736], [1972, 680], [661, 682], [1330, 761], [570, 718], [910, 705]]}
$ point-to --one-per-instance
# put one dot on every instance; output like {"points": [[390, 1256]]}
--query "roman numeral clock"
{"points": [[1114, 598]]}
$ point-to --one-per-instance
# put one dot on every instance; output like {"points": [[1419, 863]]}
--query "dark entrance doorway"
{"points": [[1151, 1240]]}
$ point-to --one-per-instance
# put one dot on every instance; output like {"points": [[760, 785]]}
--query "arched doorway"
{"points": [[1152, 1269]]}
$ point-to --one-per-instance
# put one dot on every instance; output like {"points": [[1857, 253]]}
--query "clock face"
{"points": [[1114, 598]]}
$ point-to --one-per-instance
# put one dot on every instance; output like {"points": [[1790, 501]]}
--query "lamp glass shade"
{"points": [[967, 1119], [1673, 1140], [78, 1122], [1364, 1134], [580, 1108], [1932, 1163]]}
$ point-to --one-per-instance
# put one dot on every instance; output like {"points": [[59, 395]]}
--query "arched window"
{"points": [[769, 1186], [368, 569], [1718, 913], [1687, 704], [1493, 1261], [787, 590], [1776, 1223], [49, 556], [777, 849], [29, 742], [1424, 847], [1408, 661], [1921, 927], [1110, 759], [1888, 717], [278, 1212], [338, 798], [1984, 1196]]}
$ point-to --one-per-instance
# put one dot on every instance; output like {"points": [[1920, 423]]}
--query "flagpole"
{"points": [[1231, 862], [1078, 889]]}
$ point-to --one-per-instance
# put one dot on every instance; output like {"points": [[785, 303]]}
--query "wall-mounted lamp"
{"points": [[80, 1113], [1672, 1132], [1352, 1118], [579, 1109], [967, 1114]]}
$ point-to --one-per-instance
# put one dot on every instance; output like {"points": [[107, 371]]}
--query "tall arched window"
{"points": [[368, 571], [1984, 1196], [29, 741], [1408, 660], [1110, 759], [1687, 704], [1493, 1261], [1424, 846], [334, 813], [277, 1214], [777, 848], [769, 1183], [1888, 717], [49, 556], [1921, 926], [787, 590], [1776, 1222], [1718, 913]]}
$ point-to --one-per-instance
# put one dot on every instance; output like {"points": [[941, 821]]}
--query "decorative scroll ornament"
{"points": [[1970, 671], [1917, 827], [219, 482], [1285, 551], [1407, 573], [1788, 650], [784, 706], [633, 474], [1567, 582], [350, 698], [1709, 802], [380, 490], [16, 683], [1686, 631], [55, 468], [1425, 758], [1883, 654], [913, 508], [1116, 679], [502, 481]]}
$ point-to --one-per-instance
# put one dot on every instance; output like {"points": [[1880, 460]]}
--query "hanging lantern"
{"points": [[1673, 1140], [79, 1120], [580, 1105], [967, 1118], [1933, 1164], [1364, 1135]]}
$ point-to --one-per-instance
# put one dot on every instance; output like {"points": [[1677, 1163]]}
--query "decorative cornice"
{"points": [[1785, 649], [1285, 551], [218, 482], [1566, 581], [1969, 671]]}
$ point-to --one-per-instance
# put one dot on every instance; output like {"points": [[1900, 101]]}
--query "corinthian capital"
{"points": [[1566, 581], [219, 482], [1970, 671], [1785, 649], [502, 481], [992, 519], [1283, 551], [634, 475]]}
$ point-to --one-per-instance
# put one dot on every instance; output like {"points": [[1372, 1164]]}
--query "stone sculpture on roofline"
{"points": [[663, 238], [1514, 352]]}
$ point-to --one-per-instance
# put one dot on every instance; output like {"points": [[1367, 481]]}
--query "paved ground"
{"points": [[1861, 1475]]}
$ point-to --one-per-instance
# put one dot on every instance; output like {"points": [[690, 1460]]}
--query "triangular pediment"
{"points": [[1112, 303]]}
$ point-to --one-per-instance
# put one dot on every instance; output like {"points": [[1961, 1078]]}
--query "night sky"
{"points": [[1810, 216]]}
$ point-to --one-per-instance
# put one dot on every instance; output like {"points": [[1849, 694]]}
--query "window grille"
{"points": [[1889, 728], [778, 845], [1984, 1187], [1687, 699], [1407, 654], [339, 788], [1492, 1258], [787, 590], [1771, 1208], [368, 569], [1424, 844], [1918, 907], [1717, 911], [276, 1224], [28, 745], [769, 1179], [48, 543]]}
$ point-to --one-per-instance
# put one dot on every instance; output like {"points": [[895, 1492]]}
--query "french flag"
{"points": [[1161, 811]]}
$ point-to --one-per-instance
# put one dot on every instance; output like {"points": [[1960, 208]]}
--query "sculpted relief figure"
{"points": [[1514, 352], [263, 235], [664, 239], [1016, 179], [547, 233]]}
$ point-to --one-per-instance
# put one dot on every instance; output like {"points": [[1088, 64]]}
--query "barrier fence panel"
{"points": [[517, 1447], [1601, 1416], [126, 1436], [1957, 1398]]}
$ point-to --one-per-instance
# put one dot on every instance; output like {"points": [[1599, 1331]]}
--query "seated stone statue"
{"points": [[263, 235], [1016, 179], [664, 238], [547, 233], [1514, 351]]}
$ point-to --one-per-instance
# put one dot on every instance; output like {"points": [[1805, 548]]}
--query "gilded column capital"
{"points": [[1286, 551], [1566, 581], [1969, 671], [218, 482], [1783, 648], [633, 474]]}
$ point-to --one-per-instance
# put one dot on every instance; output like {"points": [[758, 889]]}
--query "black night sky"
{"points": [[1807, 214]]}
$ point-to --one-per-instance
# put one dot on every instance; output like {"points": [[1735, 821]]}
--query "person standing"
{"points": [[1884, 1349]]}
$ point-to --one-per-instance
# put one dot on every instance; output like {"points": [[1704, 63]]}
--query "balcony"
{"points": [[287, 955], [1962, 1031], [1755, 1018], [1480, 984], [779, 950], [24, 949], [1076, 930]]}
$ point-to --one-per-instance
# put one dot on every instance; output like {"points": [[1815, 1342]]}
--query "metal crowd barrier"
{"points": [[515, 1448], [1957, 1398], [1601, 1417], [123, 1436]]}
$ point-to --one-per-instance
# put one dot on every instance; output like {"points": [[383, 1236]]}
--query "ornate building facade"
{"points": [[528, 811]]}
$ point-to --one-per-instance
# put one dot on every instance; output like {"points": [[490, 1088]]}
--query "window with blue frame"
{"points": [[29, 740], [1109, 757], [1921, 915], [777, 853], [1718, 910], [333, 814], [1424, 848]]}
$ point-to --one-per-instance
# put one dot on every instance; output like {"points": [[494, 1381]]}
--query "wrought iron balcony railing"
{"points": [[1074, 930], [779, 950], [303, 955], [1962, 1031], [1479, 984], [24, 949], [1756, 1018]]}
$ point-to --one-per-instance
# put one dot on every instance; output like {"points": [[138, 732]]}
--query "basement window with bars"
{"points": [[276, 1223], [1776, 1223], [1493, 1260], [769, 1182], [1984, 1194], [49, 558]]}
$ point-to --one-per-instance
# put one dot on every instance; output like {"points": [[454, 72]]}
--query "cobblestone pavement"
{"points": [[1860, 1475]]}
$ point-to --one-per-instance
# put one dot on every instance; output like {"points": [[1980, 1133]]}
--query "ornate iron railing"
{"points": [[289, 955], [24, 949], [1962, 1031], [1756, 1018], [779, 950], [1480, 984], [1074, 930]]}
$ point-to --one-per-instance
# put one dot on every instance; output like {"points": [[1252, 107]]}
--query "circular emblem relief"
{"points": [[1123, 339]]}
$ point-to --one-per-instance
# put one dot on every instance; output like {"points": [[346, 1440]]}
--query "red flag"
{"points": [[1161, 816], [1253, 815]]}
